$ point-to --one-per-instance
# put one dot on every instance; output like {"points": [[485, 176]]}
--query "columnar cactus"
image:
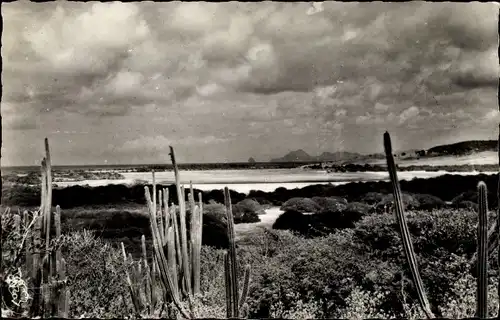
{"points": [[234, 302], [182, 213], [176, 255], [50, 297], [482, 253], [403, 228]]}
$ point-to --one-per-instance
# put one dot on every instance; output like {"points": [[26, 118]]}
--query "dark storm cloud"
{"points": [[239, 79]]}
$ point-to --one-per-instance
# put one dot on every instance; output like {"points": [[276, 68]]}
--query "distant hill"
{"points": [[302, 156], [456, 149], [295, 156], [463, 148]]}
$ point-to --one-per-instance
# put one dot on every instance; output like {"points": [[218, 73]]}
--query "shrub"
{"points": [[247, 211], [215, 210], [323, 270], [330, 204], [96, 277], [304, 205], [429, 202], [465, 204], [372, 197], [461, 299], [292, 220], [214, 232], [14, 280], [387, 203], [327, 221], [251, 205], [358, 209], [443, 240]]}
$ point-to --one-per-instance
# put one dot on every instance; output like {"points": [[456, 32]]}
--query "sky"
{"points": [[117, 83]]}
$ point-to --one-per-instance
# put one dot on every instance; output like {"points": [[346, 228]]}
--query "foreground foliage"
{"points": [[353, 273]]}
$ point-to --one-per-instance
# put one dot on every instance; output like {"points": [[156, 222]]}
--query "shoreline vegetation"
{"points": [[446, 187]]}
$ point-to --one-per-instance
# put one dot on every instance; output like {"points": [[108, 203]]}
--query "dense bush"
{"points": [[129, 225], [247, 211], [292, 220], [250, 205], [330, 204], [428, 202], [443, 240], [215, 210], [78, 196], [96, 277], [333, 216], [387, 203], [214, 232], [465, 204], [372, 197], [304, 205], [357, 209], [316, 273]]}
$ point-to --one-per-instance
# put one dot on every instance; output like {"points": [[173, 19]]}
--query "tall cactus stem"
{"points": [[160, 217], [200, 201], [182, 215], [57, 222], [172, 259], [147, 284], [153, 282], [229, 286], [133, 296], [43, 195], [166, 213], [196, 250], [175, 224], [37, 245], [48, 201], [232, 251], [153, 195], [244, 291], [403, 226], [164, 273], [482, 253]]}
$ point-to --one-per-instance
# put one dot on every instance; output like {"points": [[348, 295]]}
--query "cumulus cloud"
{"points": [[239, 79], [408, 114]]}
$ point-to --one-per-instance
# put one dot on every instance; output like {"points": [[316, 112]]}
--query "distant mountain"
{"points": [[302, 156], [463, 148], [251, 160], [295, 156]]}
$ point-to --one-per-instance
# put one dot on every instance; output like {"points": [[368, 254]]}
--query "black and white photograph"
{"points": [[250, 160]]}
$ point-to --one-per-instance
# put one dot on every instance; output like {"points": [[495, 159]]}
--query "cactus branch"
{"points": [[403, 226]]}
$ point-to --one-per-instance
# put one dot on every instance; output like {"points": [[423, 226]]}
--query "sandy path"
{"points": [[266, 220]]}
